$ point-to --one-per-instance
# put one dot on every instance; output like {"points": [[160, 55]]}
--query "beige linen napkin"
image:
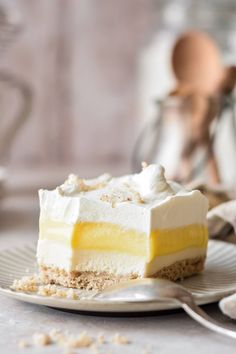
{"points": [[222, 221], [228, 306]]}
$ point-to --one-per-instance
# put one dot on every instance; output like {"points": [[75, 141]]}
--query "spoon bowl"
{"points": [[146, 289], [155, 289], [196, 62]]}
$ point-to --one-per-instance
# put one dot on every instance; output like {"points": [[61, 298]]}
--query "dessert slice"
{"points": [[100, 231]]}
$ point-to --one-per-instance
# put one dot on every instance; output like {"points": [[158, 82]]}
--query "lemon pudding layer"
{"points": [[98, 231]]}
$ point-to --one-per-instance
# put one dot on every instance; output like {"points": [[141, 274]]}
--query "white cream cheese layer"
{"points": [[55, 255]]}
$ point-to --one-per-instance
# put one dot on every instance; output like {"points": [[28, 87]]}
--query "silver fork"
{"points": [[150, 290]]}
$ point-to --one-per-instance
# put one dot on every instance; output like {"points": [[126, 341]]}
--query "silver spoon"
{"points": [[150, 290]]}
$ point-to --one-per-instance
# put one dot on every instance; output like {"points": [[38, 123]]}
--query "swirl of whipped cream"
{"points": [[152, 182], [71, 185]]}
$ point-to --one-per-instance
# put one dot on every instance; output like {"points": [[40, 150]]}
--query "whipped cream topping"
{"points": [[151, 183], [74, 185], [144, 187], [146, 197]]}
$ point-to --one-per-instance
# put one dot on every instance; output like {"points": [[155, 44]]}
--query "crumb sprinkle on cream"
{"points": [[120, 196], [144, 164]]}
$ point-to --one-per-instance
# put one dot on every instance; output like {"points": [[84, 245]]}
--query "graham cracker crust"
{"points": [[99, 281]]}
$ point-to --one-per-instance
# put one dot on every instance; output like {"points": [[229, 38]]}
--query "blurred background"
{"points": [[86, 81]]}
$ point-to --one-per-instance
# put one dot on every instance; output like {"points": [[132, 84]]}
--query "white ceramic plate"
{"points": [[218, 280]]}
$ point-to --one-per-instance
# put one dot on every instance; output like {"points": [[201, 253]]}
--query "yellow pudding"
{"points": [[107, 237]]}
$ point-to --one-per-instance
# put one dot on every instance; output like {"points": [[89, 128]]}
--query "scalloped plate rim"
{"points": [[92, 305]]}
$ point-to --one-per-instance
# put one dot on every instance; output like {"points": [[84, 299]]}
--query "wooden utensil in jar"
{"points": [[199, 72]]}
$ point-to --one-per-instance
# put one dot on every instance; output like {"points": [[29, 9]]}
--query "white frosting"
{"points": [[74, 185], [151, 183], [145, 197]]}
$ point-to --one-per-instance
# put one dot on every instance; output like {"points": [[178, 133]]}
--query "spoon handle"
{"points": [[200, 316]]}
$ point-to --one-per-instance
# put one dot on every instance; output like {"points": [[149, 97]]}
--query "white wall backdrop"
{"points": [[80, 57]]}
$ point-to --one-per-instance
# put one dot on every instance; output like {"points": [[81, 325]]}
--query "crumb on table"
{"points": [[23, 343], [118, 339], [41, 339]]}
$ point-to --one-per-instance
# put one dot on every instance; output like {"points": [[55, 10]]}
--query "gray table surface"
{"points": [[172, 332]]}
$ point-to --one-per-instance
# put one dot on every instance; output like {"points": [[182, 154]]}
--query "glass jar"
{"points": [[156, 80]]}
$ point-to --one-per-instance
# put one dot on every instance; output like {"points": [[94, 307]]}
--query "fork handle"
{"points": [[201, 317]]}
